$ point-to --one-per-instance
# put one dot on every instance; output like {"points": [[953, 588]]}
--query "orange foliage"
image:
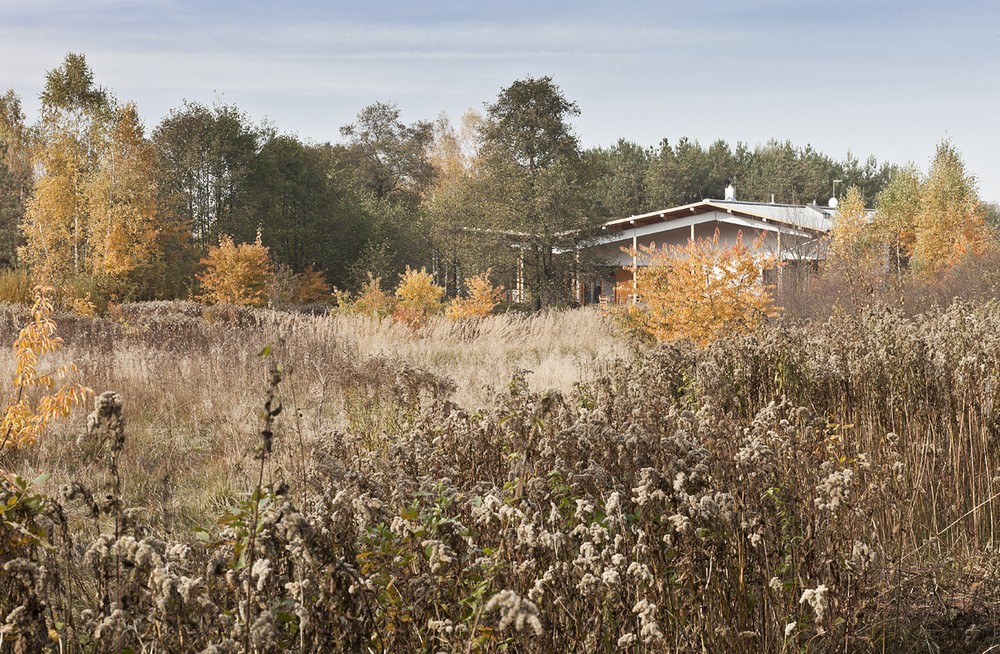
{"points": [[236, 274], [855, 253], [700, 291], [310, 287], [124, 222], [949, 225], [480, 299]]}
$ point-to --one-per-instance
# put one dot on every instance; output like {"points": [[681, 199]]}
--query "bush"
{"points": [[700, 291], [373, 301], [236, 274], [481, 298], [418, 298]]}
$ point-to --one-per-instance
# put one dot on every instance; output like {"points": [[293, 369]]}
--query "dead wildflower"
{"points": [[264, 630], [835, 489], [261, 571], [514, 610], [649, 630], [110, 626], [816, 598]]}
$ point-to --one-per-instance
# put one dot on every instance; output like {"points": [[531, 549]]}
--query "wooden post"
{"points": [[520, 277], [780, 267], [635, 267]]}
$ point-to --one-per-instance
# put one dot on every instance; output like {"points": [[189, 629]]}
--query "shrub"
{"points": [[236, 274], [418, 297], [480, 299], [310, 287], [700, 291], [23, 423], [373, 301]]}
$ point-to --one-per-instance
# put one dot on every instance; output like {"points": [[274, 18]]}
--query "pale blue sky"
{"points": [[883, 77]]}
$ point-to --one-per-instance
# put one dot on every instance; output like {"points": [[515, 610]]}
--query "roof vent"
{"points": [[731, 192], [833, 203]]}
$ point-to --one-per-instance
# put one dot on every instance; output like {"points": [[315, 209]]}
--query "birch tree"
{"points": [[949, 224], [55, 222]]}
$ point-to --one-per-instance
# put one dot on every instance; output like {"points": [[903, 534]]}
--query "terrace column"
{"points": [[635, 266]]}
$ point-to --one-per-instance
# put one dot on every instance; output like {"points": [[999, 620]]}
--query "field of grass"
{"points": [[516, 483]]}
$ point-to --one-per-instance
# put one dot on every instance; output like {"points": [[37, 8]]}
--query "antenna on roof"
{"points": [[833, 198]]}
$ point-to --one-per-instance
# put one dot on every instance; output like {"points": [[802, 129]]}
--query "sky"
{"points": [[889, 78]]}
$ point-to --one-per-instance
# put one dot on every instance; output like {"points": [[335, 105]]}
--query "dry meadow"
{"points": [[514, 483]]}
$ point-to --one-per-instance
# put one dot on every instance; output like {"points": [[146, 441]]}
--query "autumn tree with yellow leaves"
{"points": [[894, 222], [855, 251], [120, 203], [480, 298], [56, 218], [949, 224], [236, 274], [700, 291], [94, 212], [37, 397], [931, 223]]}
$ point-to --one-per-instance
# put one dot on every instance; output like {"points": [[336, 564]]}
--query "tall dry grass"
{"points": [[811, 487], [193, 376]]}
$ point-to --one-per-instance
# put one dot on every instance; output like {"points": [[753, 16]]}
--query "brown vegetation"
{"points": [[820, 487]]}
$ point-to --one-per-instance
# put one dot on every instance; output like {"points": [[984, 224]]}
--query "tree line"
{"points": [[88, 197]]}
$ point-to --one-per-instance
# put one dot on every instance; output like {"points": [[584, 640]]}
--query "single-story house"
{"points": [[791, 233]]}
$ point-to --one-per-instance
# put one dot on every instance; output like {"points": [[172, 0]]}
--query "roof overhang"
{"points": [[640, 229], [742, 214]]}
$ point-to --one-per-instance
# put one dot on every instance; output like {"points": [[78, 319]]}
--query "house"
{"points": [[791, 233]]}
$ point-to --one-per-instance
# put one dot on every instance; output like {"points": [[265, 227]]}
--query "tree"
{"points": [[528, 194], [620, 173], [700, 291], [16, 177], [95, 212], [305, 208], [74, 110], [126, 235], [768, 171], [896, 209], [236, 274], [204, 158], [389, 157], [454, 155], [854, 255], [870, 178], [949, 224], [388, 163], [686, 172]]}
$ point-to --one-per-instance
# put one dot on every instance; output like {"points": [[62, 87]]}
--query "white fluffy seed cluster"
{"points": [[835, 489], [515, 611]]}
